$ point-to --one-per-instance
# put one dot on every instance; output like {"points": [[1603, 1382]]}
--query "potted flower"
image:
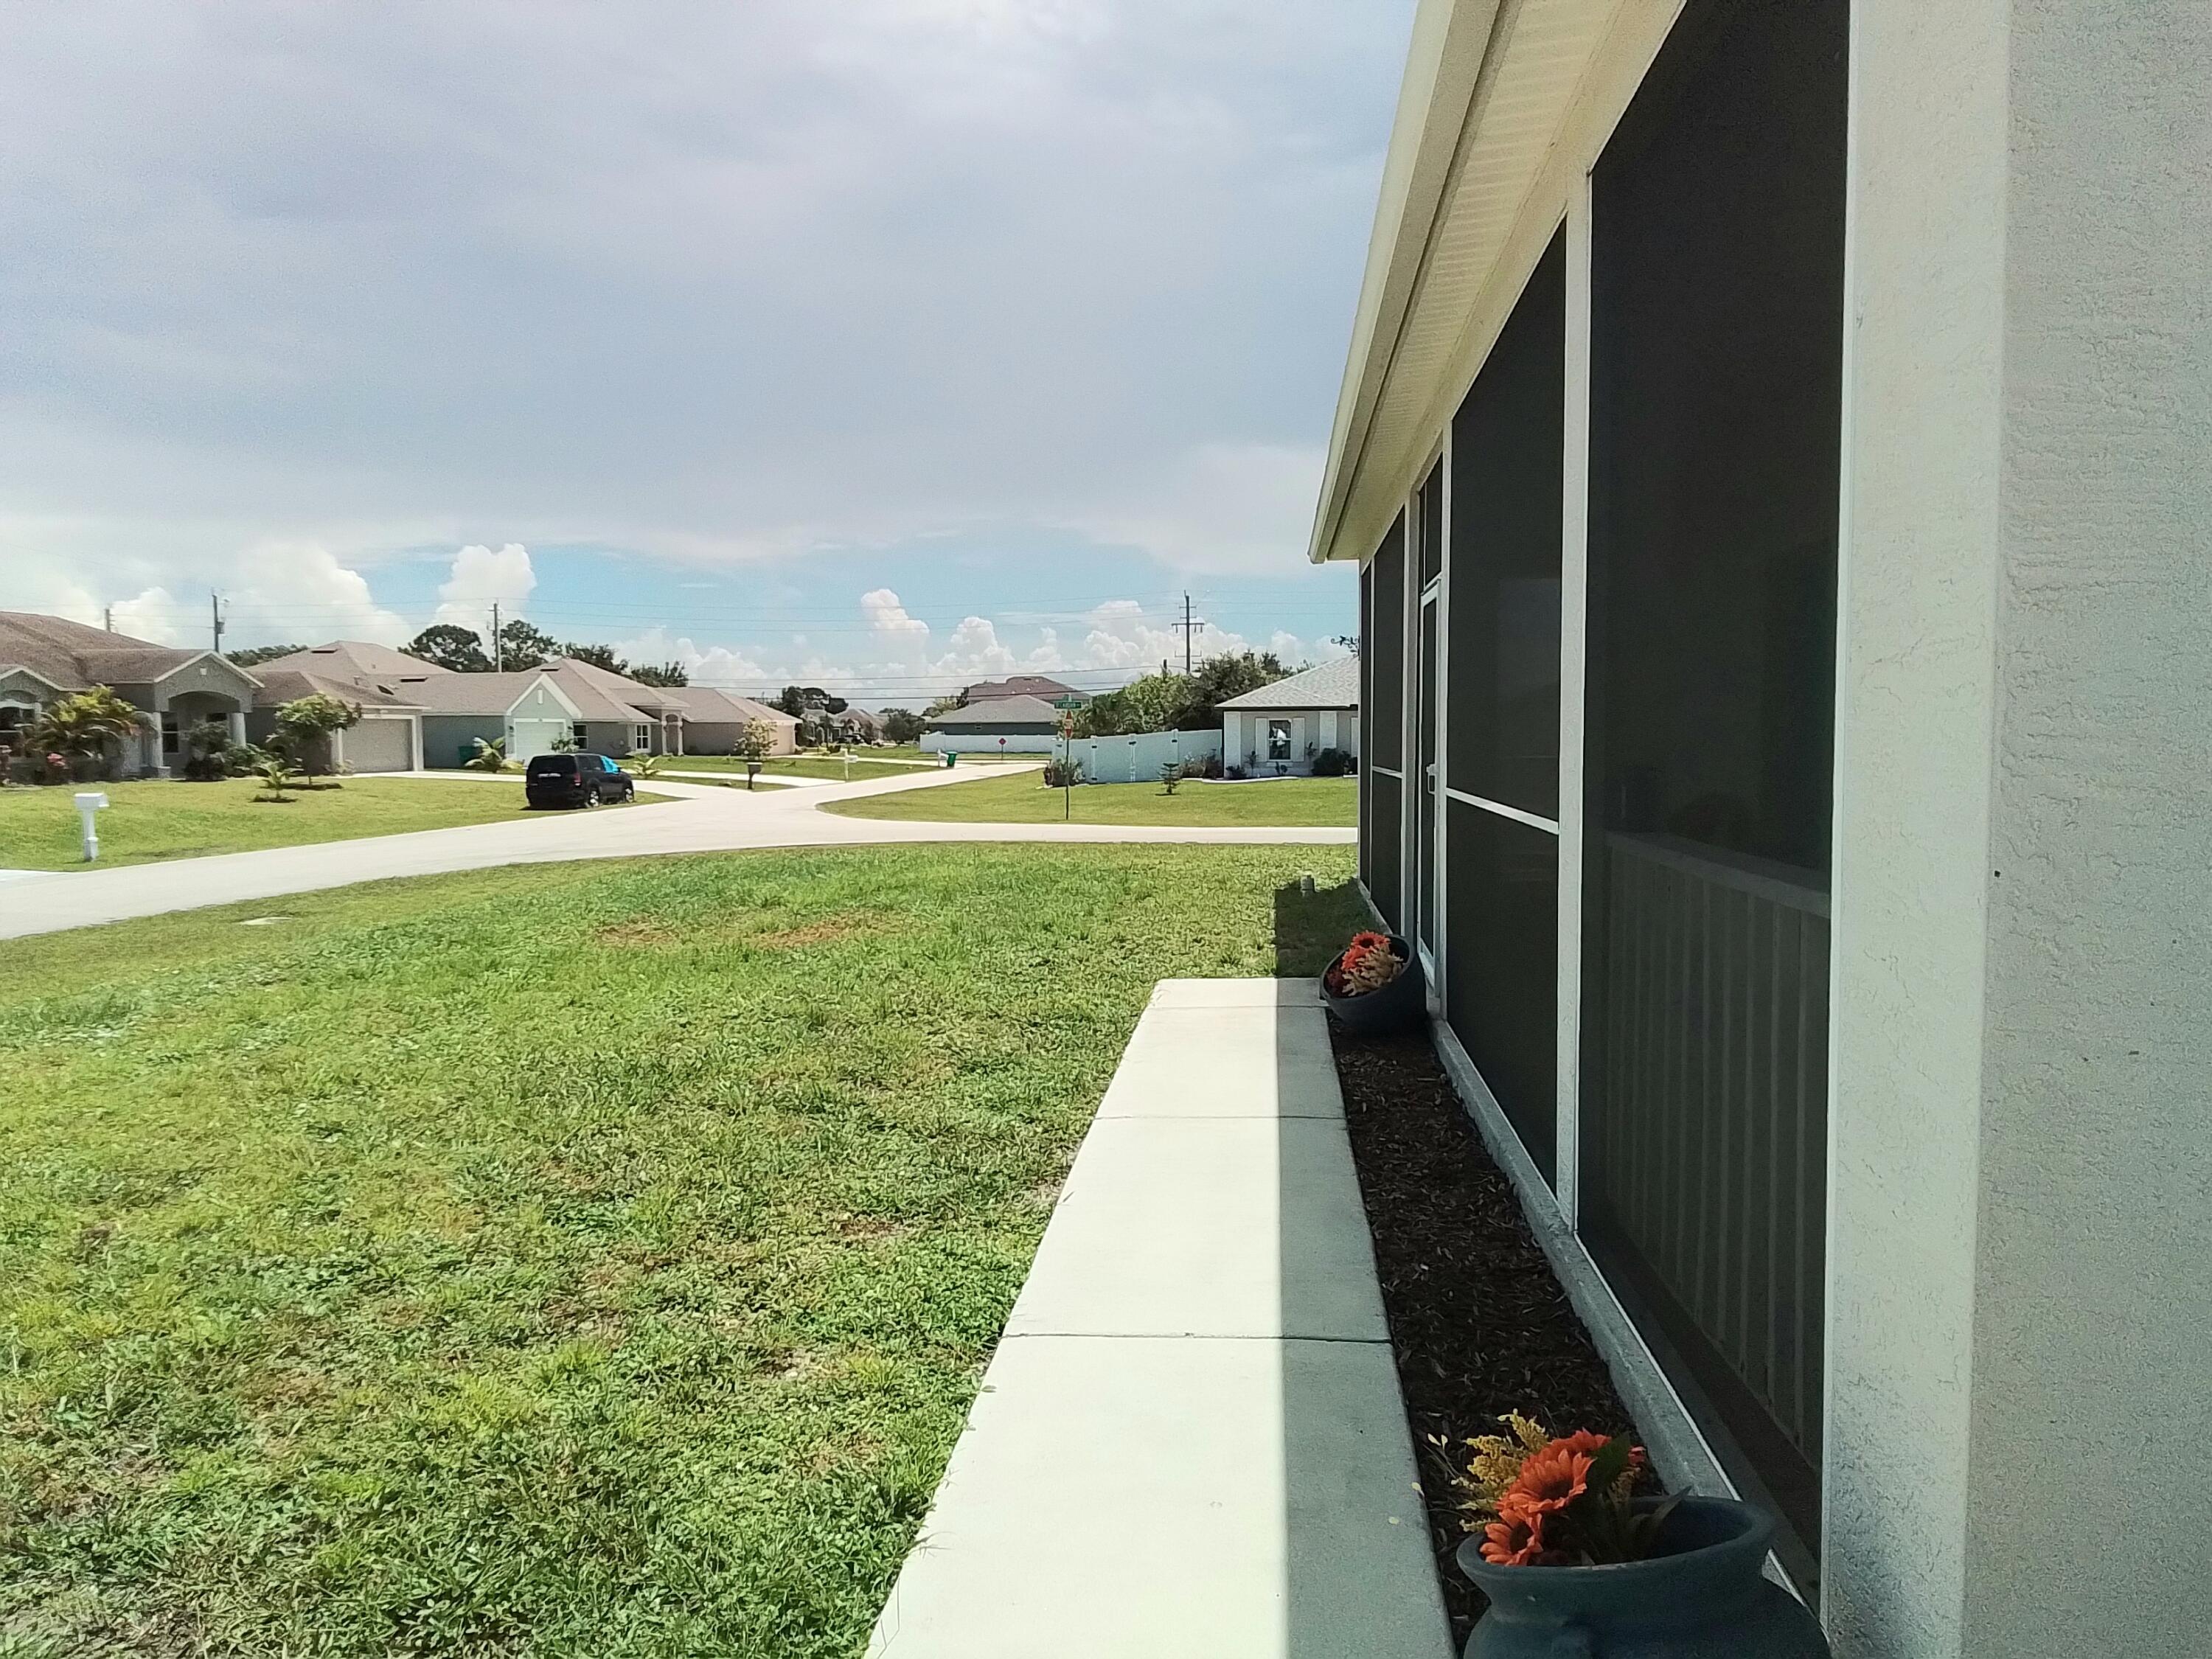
{"points": [[1574, 1562], [1374, 985]]}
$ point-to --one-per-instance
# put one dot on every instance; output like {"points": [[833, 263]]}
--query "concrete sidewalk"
{"points": [[699, 818], [1190, 1442]]}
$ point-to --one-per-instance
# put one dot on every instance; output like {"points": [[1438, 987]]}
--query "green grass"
{"points": [[149, 821], [1301, 803], [592, 1261]]}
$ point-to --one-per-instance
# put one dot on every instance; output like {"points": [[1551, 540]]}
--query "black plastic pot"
{"points": [[1703, 1598], [1401, 1004]]}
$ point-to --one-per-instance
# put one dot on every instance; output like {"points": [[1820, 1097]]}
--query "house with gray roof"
{"points": [[998, 725], [714, 721], [1281, 727], [43, 658]]}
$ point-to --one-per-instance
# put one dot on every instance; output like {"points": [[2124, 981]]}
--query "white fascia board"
{"points": [[1451, 40], [9, 668]]}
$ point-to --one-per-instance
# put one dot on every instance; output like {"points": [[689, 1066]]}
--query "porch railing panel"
{"points": [[1711, 1123]]}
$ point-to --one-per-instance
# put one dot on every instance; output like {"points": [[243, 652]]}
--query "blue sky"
{"points": [[888, 344]]}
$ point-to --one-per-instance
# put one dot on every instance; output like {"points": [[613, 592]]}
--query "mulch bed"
{"points": [[1479, 1325]]}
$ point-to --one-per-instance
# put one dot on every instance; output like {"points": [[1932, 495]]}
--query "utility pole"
{"points": [[107, 617], [215, 614], [1187, 627], [498, 650]]}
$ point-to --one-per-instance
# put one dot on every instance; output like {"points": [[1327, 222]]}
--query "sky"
{"points": [[884, 344]]}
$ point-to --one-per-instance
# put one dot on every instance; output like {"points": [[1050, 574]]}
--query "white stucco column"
{"points": [[234, 723], [2018, 1456]]}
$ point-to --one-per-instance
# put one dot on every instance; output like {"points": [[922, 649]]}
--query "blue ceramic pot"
{"points": [[1705, 1598], [1403, 1003]]}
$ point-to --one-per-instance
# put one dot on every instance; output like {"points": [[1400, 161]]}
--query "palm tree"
{"points": [[491, 755], [276, 776]]}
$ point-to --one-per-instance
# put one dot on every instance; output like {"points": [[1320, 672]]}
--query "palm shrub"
{"points": [[491, 755], [85, 725], [276, 776], [645, 765], [1062, 774]]}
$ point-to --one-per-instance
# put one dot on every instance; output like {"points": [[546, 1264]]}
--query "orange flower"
{"points": [[1551, 1479], [1514, 1541]]}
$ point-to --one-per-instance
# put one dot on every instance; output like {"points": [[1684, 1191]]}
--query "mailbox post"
{"points": [[89, 801]]}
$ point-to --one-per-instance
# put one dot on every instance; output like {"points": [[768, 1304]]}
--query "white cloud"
{"points": [[1220, 507], [481, 577], [300, 592], [152, 616]]}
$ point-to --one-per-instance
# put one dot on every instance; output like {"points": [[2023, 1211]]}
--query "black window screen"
{"points": [[1716, 398], [1507, 451], [1432, 524], [1382, 668], [1501, 969], [1385, 650]]}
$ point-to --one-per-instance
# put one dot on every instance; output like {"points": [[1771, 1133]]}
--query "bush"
{"points": [[1236, 773], [1062, 774], [1334, 763]]}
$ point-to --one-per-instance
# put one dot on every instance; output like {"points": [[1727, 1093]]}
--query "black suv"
{"points": [[576, 781]]}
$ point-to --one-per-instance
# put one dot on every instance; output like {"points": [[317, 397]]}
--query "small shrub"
{"points": [[276, 776], [1062, 774], [1333, 763], [1236, 773], [1170, 775]]}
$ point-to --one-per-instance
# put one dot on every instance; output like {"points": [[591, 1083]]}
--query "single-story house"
{"points": [[1007, 725], [1774, 450], [387, 738], [1281, 727], [45, 658], [532, 711], [855, 724], [714, 720], [1024, 685]]}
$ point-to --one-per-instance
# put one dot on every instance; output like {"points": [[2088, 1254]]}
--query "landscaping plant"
{"points": [[491, 755], [82, 727], [276, 776], [308, 724], [1567, 1502], [1368, 964]]}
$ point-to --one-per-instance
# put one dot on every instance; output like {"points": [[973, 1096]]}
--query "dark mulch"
{"points": [[1479, 1324]]}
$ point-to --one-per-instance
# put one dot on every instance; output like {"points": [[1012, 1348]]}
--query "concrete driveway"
{"points": [[698, 818]]}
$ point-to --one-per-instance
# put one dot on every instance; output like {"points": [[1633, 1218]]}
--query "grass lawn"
{"points": [[562, 1259], [1298, 803], [154, 820]]}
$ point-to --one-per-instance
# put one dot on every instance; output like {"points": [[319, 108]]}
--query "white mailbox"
{"points": [[89, 801]]}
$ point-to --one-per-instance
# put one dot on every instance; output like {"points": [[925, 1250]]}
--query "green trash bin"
{"points": [[950, 757]]}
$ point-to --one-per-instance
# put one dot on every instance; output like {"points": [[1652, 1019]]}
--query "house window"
{"points": [[169, 734], [578, 735], [640, 736], [1278, 740]]}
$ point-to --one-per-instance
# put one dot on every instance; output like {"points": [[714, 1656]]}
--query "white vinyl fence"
{"points": [[1138, 759]]}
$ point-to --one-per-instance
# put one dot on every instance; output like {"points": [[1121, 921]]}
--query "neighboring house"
{"points": [[852, 725], [1014, 726], [1023, 685], [714, 721], [1281, 727], [1774, 452], [45, 658], [388, 737], [531, 711]]}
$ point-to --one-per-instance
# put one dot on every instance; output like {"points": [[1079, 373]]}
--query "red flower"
{"points": [[1514, 1541], [1553, 1478]]}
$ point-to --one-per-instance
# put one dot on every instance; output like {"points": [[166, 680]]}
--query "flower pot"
{"points": [[1705, 1598], [1400, 1004]]}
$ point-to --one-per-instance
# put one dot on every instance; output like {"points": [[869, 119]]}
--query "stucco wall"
{"points": [[446, 736], [2021, 1309]]}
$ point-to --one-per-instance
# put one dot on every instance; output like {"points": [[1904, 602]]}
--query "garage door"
{"points": [[527, 738], [380, 745]]}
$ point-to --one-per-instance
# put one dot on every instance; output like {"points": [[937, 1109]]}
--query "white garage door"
{"points": [[380, 745]]}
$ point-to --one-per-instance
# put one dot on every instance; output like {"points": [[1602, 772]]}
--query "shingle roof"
{"points": [[468, 694], [1021, 685], [999, 711], [710, 705], [73, 655], [1332, 684], [600, 696], [283, 685], [357, 660]]}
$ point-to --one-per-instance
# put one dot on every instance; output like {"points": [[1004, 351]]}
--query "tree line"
{"points": [[520, 646]]}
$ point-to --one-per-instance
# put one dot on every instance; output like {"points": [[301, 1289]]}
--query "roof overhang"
{"points": [[199, 657], [1505, 104], [10, 669]]}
